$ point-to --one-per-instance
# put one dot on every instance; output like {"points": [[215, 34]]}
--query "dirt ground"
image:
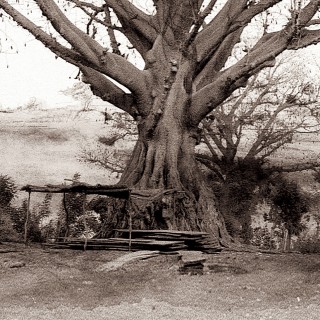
{"points": [[39, 283]]}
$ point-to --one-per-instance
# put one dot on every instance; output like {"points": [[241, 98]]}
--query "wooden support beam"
{"points": [[26, 223]]}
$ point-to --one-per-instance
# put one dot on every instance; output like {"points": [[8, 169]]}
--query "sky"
{"points": [[32, 72]]}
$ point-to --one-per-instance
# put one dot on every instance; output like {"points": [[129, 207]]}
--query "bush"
{"points": [[308, 245], [7, 231], [7, 190], [262, 238], [7, 193]]}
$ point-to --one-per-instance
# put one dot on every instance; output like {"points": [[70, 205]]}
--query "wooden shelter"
{"points": [[115, 191]]}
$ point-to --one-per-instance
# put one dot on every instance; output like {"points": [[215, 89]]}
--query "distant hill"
{"points": [[42, 146]]}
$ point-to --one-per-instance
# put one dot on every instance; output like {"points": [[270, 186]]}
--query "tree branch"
{"points": [[306, 38], [129, 15], [84, 47], [175, 18], [102, 87], [296, 167], [113, 40], [110, 64], [212, 65], [65, 53], [234, 15], [198, 23], [79, 40], [262, 55], [210, 164]]}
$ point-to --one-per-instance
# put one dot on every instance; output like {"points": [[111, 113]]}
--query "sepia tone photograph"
{"points": [[159, 159]]}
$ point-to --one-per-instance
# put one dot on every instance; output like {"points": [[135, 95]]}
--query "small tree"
{"points": [[72, 207], [256, 121], [8, 190], [80, 92], [33, 104], [289, 204], [106, 153]]}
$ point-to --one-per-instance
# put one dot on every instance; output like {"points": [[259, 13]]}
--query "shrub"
{"points": [[7, 231], [308, 245], [7, 190], [263, 239], [7, 193]]}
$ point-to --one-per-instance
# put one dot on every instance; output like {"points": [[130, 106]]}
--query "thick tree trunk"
{"points": [[164, 158]]}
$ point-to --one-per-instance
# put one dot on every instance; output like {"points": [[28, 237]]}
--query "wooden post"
{"points": [[66, 234], [130, 221], [27, 220], [85, 223], [130, 230], [285, 240]]}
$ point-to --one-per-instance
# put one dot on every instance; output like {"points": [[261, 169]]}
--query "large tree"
{"points": [[185, 46]]}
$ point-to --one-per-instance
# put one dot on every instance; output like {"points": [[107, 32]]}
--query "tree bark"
{"points": [[164, 158]]}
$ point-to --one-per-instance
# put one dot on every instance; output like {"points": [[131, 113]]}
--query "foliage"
{"points": [[37, 228], [105, 152], [262, 238], [112, 214], [109, 158], [289, 205], [237, 194], [310, 245], [8, 190], [33, 104], [44, 209], [7, 231], [18, 216], [72, 207], [75, 217]]}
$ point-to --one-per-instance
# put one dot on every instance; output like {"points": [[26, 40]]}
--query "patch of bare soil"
{"points": [[39, 283]]}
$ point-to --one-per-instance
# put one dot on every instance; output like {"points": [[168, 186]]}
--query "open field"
{"points": [[42, 146], [63, 284]]}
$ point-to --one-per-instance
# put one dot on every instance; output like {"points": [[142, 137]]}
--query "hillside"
{"points": [[42, 146]]}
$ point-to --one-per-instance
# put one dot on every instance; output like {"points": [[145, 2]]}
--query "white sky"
{"points": [[33, 72]]}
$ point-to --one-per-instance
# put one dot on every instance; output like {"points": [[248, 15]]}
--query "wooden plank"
{"points": [[167, 232], [114, 243], [116, 191], [169, 237], [126, 241]]}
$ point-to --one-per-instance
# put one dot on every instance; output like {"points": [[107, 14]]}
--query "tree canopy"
{"points": [[207, 30]]}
